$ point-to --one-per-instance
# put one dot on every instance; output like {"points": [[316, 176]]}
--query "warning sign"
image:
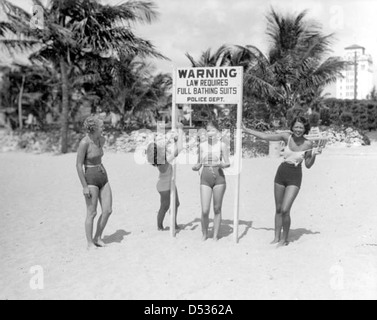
{"points": [[221, 85]]}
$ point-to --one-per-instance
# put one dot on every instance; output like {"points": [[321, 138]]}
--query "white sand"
{"points": [[334, 234]]}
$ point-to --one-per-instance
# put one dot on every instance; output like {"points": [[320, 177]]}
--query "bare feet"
{"points": [[283, 244], [205, 237], [100, 244], [92, 246], [276, 241]]}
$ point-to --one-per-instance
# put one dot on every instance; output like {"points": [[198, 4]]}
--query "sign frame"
{"points": [[237, 89]]}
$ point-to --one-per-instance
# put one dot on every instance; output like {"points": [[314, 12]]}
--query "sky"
{"points": [[194, 26]]}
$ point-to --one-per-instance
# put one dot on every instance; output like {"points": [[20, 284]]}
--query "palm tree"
{"points": [[295, 65], [209, 59], [75, 30], [35, 83], [373, 94], [125, 85], [220, 58]]}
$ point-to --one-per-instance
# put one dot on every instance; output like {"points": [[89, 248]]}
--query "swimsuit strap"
{"points": [[289, 140]]}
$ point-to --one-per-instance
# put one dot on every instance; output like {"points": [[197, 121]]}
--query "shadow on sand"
{"points": [[294, 234], [117, 237], [226, 228]]}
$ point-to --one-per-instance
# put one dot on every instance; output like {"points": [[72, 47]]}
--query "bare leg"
{"points": [[91, 206], [218, 196], [279, 197], [176, 210], [164, 207], [106, 200], [290, 196], [206, 197]]}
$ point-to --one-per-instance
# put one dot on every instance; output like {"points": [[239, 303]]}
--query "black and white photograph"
{"points": [[188, 150]]}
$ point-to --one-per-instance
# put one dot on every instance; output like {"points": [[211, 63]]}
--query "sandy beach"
{"points": [[332, 255]]}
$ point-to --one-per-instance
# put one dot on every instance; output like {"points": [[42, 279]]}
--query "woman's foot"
{"points": [[276, 241], [92, 246], [99, 243], [284, 243]]}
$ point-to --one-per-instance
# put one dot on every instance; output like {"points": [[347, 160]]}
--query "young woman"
{"points": [[289, 175], [213, 157], [157, 156], [94, 180]]}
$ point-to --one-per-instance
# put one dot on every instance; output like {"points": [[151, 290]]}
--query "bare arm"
{"points": [[198, 166], [310, 156], [225, 156], [268, 137], [178, 146]]}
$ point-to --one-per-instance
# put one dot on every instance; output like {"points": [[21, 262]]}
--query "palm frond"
{"points": [[11, 9], [15, 45]]}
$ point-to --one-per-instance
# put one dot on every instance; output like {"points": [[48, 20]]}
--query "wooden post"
{"points": [[238, 162], [173, 200]]}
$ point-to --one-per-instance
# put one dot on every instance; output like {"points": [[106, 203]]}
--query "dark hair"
{"points": [[302, 120], [213, 123]]}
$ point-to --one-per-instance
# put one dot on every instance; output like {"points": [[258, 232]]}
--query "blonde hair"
{"points": [[92, 123]]}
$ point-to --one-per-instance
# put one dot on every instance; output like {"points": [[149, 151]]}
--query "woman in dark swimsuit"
{"points": [[94, 180], [288, 179]]}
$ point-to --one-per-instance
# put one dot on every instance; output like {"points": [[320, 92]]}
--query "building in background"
{"points": [[357, 81]]}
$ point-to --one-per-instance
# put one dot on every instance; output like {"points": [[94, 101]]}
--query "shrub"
{"points": [[346, 119], [314, 119]]}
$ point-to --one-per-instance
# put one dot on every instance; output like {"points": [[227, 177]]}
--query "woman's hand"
{"points": [[224, 165], [87, 193], [319, 148], [197, 167]]}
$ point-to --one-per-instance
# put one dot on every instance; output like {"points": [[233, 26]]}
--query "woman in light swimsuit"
{"points": [[213, 157], [158, 157], [289, 175], [94, 180]]}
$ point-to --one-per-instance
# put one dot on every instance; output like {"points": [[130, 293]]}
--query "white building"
{"points": [[357, 81]]}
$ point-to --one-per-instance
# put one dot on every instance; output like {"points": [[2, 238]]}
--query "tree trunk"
{"points": [[21, 125], [65, 107]]}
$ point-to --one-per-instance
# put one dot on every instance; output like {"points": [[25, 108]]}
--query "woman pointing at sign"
{"points": [[213, 157], [289, 176]]}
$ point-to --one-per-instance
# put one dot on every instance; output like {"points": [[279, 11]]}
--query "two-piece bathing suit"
{"points": [[95, 173], [210, 157], [290, 171]]}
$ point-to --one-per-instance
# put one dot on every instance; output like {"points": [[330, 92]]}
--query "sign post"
{"points": [[173, 193], [219, 85]]}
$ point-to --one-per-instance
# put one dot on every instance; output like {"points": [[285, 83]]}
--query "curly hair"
{"points": [[212, 123], [91, 123], [302, 120]]}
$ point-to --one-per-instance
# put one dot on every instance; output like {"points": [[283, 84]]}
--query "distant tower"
{"points": [[357, 82]]}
